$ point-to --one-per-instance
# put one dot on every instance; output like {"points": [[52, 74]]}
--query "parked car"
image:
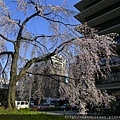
{"points": [[52, 105], [65, 106], [43, 106], [21, 104], [32, 104]]}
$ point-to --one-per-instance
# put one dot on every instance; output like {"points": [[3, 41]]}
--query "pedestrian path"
{"points": [[64, 112]]}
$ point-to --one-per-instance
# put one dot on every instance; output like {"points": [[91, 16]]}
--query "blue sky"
{"points": [[69, 3], [16, 15]]}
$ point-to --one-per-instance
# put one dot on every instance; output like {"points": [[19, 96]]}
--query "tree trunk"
{"points": [[12, 94], [13, 80]]}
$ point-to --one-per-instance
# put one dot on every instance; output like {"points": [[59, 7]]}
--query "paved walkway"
{"points": [[64, 112]]}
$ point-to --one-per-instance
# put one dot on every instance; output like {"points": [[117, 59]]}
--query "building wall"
{"points": [[50, 84], [105, 16], [101, 14]]}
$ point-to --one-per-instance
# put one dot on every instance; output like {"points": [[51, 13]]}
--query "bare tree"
{"points": [[27, 44], [61, 39]]}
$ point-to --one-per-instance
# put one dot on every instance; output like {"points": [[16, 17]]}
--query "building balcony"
{"points": [[108, 85], [104, 17], [110, 29], [82, 4], [114, 62], [96, 10], [100, 14]]}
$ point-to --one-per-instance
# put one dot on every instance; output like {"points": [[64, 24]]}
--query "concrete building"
{"points": [[50, 76], [105, 16], [101, 14]]}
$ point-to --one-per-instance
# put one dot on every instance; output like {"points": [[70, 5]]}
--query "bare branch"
{"points": [[41, 36], [7, 53], [30, 62], [6, 63], [24, 23], [63, 45], [52, 75], [7, 39], [57, 21], [37, 46]]}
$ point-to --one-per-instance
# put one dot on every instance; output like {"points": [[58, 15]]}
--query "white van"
{"points": [[21, 104]]}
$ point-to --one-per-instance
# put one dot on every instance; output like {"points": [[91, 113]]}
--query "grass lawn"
{"points": [[27, 114], [31, 117]]}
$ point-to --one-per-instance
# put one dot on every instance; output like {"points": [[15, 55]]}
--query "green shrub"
{"points": [[17, 112]]}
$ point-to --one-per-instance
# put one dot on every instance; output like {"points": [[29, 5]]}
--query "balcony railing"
{"points": [[106, 10], [108, 85], [114, 61]]}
